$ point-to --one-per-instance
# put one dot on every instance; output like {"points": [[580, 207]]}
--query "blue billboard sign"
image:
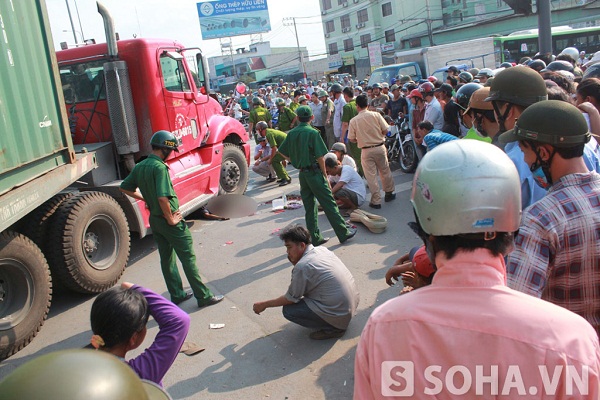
{"points": [[225, 18]]}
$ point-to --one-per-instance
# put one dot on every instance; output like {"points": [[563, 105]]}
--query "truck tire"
{"points": [[234, 170], [36, 224], [25, 292], [91, 242]]}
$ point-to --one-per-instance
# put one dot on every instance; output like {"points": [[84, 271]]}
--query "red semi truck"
{"points": [[116, 95]]}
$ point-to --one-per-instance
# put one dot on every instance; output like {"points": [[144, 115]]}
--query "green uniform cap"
{"points": [[304, 112], [553, 122]]}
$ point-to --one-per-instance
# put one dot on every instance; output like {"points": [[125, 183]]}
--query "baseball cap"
{"points": [[422, 264], [445, 87], [339, 146], [304, 112]]}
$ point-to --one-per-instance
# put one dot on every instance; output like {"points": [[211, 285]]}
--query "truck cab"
{"points": [[389, 72], [117, 101]]}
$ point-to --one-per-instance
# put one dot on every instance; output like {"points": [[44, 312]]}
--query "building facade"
{"points": [[356, 30]]}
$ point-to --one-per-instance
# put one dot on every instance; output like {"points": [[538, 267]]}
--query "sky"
{"points": [[178, 20]]}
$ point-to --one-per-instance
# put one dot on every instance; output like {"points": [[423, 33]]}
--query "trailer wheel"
{"points": [[36, 224], [25, 292], [234, 170], [91, 242]]}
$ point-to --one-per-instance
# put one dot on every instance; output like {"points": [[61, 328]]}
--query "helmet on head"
{"points": [[506, 65], [78, 374], [485, 195], [519, 85], [465, 77], [477, 100], [336, 88], [279, 102], [255, 101], [426, 88], [415, 93], [553, 122], [376, 86], [473, 71], [464, 94], [165, 140], [571, 52], [488, 73], [559, 65], [432, 79], [537, 65], [593, 71], [322, 93]]}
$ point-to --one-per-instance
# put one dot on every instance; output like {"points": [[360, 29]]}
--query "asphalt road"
{"points": [[253, 356]]}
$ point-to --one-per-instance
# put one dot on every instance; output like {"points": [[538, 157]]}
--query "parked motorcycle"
{"points": [[410, 152]]}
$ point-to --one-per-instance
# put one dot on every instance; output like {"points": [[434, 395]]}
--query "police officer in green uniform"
{"points": [[349, 111], [286, 118], [305, 149], [258, 113], [170, 231], [275, 138]]}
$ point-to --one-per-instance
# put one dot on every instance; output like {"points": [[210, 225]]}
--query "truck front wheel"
{"points": [[234, 170], [25, 292], [91, 242]]}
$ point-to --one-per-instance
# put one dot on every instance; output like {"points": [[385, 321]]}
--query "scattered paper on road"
{"points": [[216, 326]]}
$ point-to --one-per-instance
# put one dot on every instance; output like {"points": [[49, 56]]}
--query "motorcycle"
{"points": [[410, 152], [393, 140]]}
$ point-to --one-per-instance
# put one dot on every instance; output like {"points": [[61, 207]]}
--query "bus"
{"points": [[521, 44]]}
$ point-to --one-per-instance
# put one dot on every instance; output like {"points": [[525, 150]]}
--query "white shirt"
{"points": [[316, 110], [347, 160], [338, 104], [434, 113], [354, 183], [237, 111]]}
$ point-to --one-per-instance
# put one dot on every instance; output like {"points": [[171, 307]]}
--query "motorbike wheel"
{"points": [[408, 161]]}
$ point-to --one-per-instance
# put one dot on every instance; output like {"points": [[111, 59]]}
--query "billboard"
{"points": [[225, 18]]}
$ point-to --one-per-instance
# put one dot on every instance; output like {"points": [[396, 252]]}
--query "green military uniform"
{"points": [[260, 113], [151, 176], [348, 112], [294, 105], [303, 146], [285, 118], [275, 139]]}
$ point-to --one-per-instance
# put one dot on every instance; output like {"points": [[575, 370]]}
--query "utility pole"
{"points": [[545, 26], [298, 46], [429, 30]]}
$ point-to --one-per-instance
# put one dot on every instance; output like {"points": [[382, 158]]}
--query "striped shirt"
{"points": [[557, 250]]}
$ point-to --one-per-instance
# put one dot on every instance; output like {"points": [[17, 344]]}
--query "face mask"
{"points": [[541, 178], [541, 171]]}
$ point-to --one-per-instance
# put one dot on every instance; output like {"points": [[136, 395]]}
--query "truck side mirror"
{"points": [[201, 77]]}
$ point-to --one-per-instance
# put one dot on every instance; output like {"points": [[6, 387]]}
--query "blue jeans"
{"points": [[299, 313]]}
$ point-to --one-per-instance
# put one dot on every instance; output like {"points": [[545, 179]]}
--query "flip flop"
{"points": [[375, 223]]}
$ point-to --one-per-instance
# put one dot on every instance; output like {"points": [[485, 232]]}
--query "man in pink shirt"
{"points": [[467, 335]]}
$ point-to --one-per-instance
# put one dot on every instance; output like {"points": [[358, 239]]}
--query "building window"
{"points": [[386, 9], [345, 20], [348, 45], [340, 2], [365, 40], [329, 26], [363, 16], [326, 4], [390, 36], [333, 49]]}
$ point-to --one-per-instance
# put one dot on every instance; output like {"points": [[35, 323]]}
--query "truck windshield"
{"points": [[387, 73], [83, 82]]}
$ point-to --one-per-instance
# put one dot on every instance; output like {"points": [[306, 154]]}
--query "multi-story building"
{"points": [[259, 62], [352, 27]]}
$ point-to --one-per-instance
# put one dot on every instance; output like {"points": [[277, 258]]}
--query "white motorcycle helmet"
{"points": [[466, 186]]}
